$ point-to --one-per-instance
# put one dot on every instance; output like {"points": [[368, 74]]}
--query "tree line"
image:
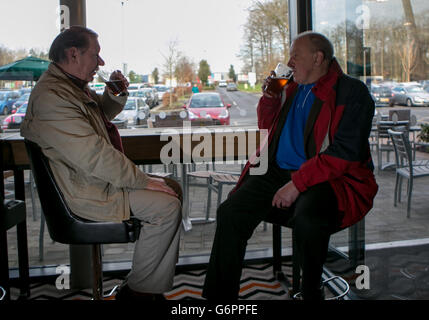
{"points": [[9, 55], [178, 65], [266, 37], [395, 48]]}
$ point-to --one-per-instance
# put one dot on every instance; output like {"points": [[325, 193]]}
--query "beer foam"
{"points": [[282, 70]]}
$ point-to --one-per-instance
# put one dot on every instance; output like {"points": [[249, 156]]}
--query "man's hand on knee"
{"points": [[158, 184], [285, 196]]}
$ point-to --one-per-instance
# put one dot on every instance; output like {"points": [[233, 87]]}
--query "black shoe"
{"points": [[124, 293]]}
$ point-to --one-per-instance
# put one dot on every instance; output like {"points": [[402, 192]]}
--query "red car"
{"points": [[208, 105], [14, 120]]}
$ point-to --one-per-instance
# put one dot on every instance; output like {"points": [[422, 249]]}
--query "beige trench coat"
{"points": [[66, 123]]}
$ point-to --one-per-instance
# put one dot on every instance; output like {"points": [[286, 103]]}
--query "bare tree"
{"points": [[266, 40], [184, 71], [170, 61], [407, 51]]}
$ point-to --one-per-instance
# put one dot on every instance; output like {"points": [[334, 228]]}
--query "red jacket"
{"points": [[335, 138]]}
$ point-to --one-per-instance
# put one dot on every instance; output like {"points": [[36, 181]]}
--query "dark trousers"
{"points": [[313, 216]]}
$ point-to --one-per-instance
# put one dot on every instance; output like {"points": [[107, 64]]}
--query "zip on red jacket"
{"points": [[335, 141]]}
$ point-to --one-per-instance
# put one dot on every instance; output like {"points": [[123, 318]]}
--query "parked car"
{"points": [[135, 112], [7, 99], [381, 95], [410, 95], [208, 105], [151, 99], [14, 120], [25, 90], [136, 86], [231, 87], [161, 90], [21, 100], [156, 95], [145, 94], [97, 86], [136, 94]]}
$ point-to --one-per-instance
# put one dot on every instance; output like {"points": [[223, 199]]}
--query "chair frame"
{"points": [[405, 166], [383, 135]]}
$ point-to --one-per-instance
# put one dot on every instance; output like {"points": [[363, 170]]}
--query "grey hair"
{"points": [[75, 36], [319, 42]]}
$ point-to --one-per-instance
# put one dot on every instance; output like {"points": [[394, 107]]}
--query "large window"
{"points": [[166, 49], [385, 44]]}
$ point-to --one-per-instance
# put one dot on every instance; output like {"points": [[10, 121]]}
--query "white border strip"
{"points": [[392, 244]]}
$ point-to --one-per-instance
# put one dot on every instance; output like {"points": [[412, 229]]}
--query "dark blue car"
{"points": [[7, 99]]}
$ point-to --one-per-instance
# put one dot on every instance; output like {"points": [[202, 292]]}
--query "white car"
{"points": [[222, 83], [161, 90], [135, 112], [135, 86]]}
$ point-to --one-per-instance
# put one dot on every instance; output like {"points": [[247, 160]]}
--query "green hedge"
{"points": [[257, 88]]}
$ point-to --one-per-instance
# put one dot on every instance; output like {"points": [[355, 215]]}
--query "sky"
{"points": [[139, 31]]}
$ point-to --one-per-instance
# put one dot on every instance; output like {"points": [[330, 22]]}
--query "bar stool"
{"points": [[279, 220], [13, 213], [2, 293], [65, 227]]}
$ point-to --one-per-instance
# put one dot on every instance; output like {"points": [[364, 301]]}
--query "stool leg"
{"points": [[277, 249], [209, 197], [41, 235], [97, 288], [219, 195], [296, 270]]}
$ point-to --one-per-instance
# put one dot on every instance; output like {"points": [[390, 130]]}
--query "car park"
{"points": [[151, 99], [208, 105], [21, 100], [25, 90], [155, 95], [14, 121], [136, 86], [161, 89], [7, 99], [147, 95], [409, 95], [135, 112], [136, 94]]}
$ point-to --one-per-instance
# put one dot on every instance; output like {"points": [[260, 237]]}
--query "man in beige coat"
{"points": [[71, 125]]}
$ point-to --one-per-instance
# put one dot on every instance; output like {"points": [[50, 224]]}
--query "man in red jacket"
{"points": [[320, 168]]}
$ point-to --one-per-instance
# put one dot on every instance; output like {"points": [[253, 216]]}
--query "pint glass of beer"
{"points": [[278, 81], [117, 86]]}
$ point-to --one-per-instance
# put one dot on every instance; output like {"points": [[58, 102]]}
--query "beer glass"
{"points": [[278, 81], [116, 86]]}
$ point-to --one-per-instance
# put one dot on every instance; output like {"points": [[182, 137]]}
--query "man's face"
{"points": [[302, 61], [88, 61]]}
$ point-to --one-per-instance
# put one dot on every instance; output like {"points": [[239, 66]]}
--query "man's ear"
{"points": [[318, 57], [72, 55]]}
